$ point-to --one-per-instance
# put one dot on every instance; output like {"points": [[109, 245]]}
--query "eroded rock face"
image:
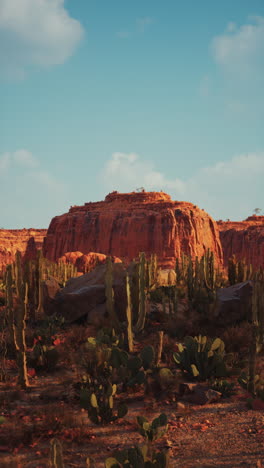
{"points": [[27, 241], [244, 239], [126, 224], [86, 263]]}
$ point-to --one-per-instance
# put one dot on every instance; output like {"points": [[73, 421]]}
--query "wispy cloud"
{"points": [[227, 189], [4, 162], [32, 194], [143, 23], [35, 33], [240, 49], [25, 158], [140, 27]]}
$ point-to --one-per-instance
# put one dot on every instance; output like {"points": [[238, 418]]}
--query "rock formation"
{"points": [[244, 239], [86, 263], [28, 241], [84, 296], [233, 304], [126, 224]]}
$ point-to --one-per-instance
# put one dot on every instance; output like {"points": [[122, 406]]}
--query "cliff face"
{"points": [[244, 239], [126, 224], [28, 241]]}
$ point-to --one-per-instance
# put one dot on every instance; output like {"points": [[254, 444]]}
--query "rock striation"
{"points": [[27, 241], [244, 239], [125, 224]]}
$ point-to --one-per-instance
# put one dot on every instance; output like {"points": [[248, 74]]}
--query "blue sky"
{"points": [[102, 95]]}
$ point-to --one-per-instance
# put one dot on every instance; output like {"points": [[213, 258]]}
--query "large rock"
{"points": [[86, 263], [27, 241], [126, 224], [166, 277], [234, 303], [244, 239], [84, 296], [50, 288]]}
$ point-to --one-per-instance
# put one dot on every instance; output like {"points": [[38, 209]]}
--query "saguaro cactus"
{"points": [[254, 339], [129, 317], [109, 292], [17, 317], [142, 294]]}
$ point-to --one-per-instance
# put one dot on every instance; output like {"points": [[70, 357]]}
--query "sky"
{"points": [[103, 95]]}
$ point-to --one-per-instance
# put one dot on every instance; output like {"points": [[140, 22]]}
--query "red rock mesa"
{"points": [[244, 239], [28, 241], [125, 224]]}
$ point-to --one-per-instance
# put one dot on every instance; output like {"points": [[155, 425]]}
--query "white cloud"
{"points": [[25, 158], [231, 26], [227, 189], [35, 33], [240, 49], [34, 195], [4, 162]]}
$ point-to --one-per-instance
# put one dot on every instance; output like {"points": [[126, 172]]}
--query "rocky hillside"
{"points": [[244, 239], [28, 241], [126, 224]]}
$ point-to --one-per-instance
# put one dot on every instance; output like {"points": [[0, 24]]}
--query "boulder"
{"points": [[50, 288], [84, 296], [233, 303]]}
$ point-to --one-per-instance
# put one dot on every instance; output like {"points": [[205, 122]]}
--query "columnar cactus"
{"points": [[17, 317], [129, 317], [56, 458], [160, 347], [109, 292], [142, 294]]}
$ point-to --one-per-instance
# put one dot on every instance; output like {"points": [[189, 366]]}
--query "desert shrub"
{"points": [[244, 382], [224, 387], [42, 356], [76, 336], [237, 338]]}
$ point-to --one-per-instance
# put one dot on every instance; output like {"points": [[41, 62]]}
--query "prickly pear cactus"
{"points": [[201, 357]]}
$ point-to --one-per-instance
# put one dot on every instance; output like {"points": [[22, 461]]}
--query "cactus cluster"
{"points": [[144, 456], [98, 398], [257, 326], [238, 271], [201, 358], [136, 457], [138, 284], [131, 370]]}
